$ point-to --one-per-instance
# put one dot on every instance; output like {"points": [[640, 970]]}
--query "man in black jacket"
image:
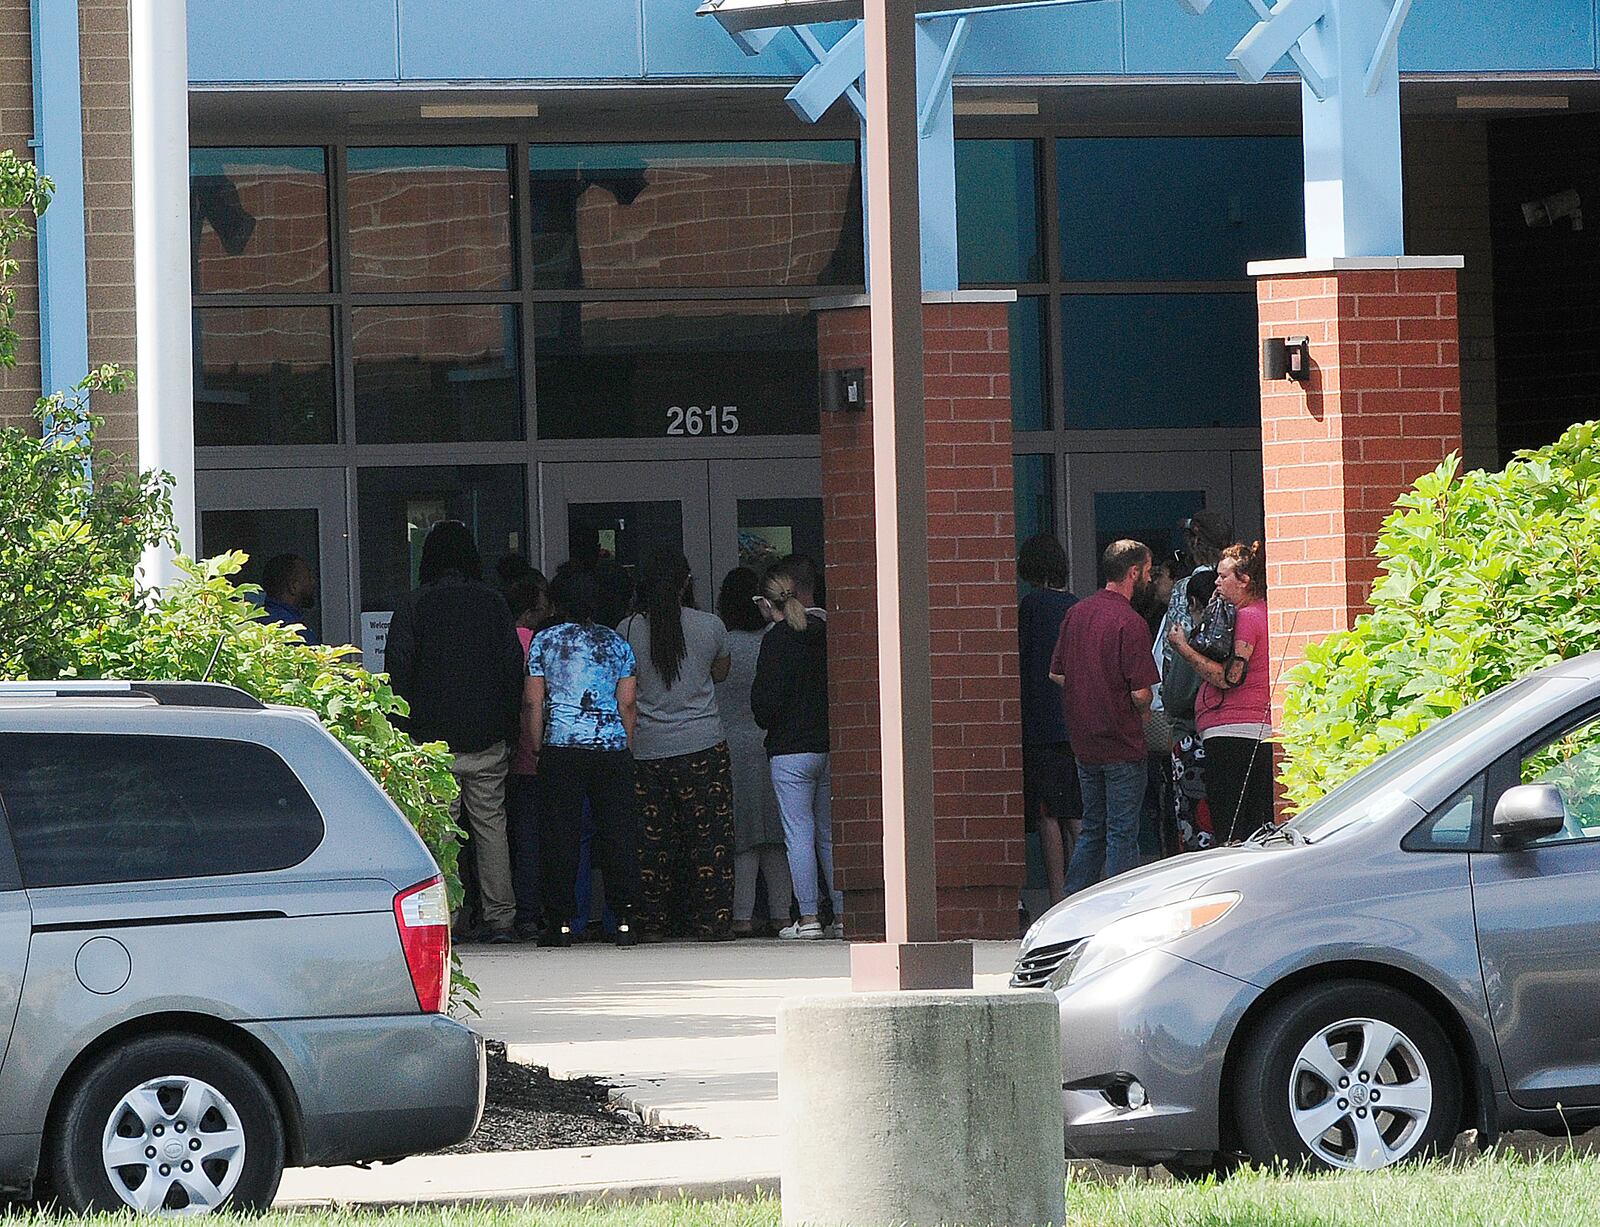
{"points": [[454, 656]]}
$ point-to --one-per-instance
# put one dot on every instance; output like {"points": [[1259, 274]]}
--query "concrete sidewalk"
{"points": [[687, 1033]]}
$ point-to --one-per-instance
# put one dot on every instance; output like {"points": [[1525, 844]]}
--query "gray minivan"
{"points": [[223, 951], [1415, 955]]}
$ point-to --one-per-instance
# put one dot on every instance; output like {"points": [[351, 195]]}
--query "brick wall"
{"points": [[977, 731], [108, 205], [1382, 407], [19, 386]]}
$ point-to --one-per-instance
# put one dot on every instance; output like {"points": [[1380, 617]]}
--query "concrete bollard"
{"points": [[922, 1108]]}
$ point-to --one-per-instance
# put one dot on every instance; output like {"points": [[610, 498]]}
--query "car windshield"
{"points": [[1374, 792]]}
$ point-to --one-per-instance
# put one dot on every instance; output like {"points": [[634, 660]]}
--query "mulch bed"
{"points": [[527, 1109]]}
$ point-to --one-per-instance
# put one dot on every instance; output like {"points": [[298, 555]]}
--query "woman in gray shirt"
{"points": [[759, 850], [683, 768]]}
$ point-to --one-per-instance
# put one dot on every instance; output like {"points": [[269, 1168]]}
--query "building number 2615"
{"points": [[717, 420]]}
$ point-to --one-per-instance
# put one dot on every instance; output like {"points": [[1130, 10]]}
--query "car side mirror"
{"points": [[1529, 812]]}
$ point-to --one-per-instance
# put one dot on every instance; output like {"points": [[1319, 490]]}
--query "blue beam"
{"points": [[58, 151], [838, 71], [936, 151]]}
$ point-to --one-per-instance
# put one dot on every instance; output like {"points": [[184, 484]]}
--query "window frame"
{"points": [[1420, 837]]}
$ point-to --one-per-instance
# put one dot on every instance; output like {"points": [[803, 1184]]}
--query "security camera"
{"points": [[1549, 210]]}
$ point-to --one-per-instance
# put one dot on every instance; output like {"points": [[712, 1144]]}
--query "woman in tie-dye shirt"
{"points": [[578, 714]]}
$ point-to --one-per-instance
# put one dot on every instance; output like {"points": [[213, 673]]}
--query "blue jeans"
{"points": [[805, 800], [1113, 798]]}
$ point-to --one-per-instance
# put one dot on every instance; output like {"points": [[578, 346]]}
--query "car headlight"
{"points": [[1122, 939]]}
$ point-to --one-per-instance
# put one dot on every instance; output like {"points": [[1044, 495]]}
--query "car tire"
{"points": [[1310, 1063], [192, 1102]]}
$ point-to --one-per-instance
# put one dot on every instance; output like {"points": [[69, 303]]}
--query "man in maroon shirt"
{"points": [[1104, 667]]}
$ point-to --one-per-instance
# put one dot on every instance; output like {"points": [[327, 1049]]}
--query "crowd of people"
{"points": [[1147, 705], [602, 721]]}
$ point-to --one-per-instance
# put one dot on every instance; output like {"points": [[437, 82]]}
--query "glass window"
{"points": [[263, 375], [1452, 827], [639, 370], [437, 374], [1154, 517], [1175, 361], [751, 213], [997, 212], [1178, 208], [1034, 494], [264, 533], [259, 220], [397, 506], [624, 533], [772, 528], [88, 808], [432, 218], [1571, 763], [1030, 400]]}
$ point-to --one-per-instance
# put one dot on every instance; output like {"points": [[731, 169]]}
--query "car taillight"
{"points": [[422, 913]]}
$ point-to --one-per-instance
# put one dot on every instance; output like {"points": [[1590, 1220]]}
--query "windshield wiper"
{"points": [[1286, 833]]}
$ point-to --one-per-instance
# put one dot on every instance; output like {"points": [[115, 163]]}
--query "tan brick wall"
{"points": [[977, 710], [108, 203], [19, 387]]}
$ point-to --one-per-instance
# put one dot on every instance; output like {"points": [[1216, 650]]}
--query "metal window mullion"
{"points": [[1055, 364], [344, 333]]}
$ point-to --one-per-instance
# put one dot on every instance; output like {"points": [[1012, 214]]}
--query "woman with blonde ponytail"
{"points": [[789, 698]]}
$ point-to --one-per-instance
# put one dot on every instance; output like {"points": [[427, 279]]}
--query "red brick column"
{"points": [[977, 734], [1382, 407]]}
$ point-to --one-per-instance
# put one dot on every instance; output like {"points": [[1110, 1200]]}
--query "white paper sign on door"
{"points": [[374, 638]]}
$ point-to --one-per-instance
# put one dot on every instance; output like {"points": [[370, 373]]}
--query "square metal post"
{"points": [[912, 957]]}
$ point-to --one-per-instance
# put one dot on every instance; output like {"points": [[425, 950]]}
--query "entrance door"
{"points": [[762, 510], [266, 512], [624, 511], [1146, 497], [720, 513]]}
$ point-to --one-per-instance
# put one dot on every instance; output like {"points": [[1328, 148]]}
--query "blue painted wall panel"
{"points": [[292, 40], [1080, 38], [1498, 35], [679, 44], [508, 39], [1162, 38]]}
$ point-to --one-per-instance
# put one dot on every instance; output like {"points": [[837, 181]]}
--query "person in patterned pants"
{"points": [[686, 858]]}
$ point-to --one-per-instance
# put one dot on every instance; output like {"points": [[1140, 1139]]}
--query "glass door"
{"points": [[1145, 496], [762, 510], [620, 512], [268, 512]]}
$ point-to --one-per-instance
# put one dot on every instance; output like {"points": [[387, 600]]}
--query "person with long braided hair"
{"points": [[684, 771]]}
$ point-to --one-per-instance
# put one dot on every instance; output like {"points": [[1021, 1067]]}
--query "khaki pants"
{"points": [[482, 777]]}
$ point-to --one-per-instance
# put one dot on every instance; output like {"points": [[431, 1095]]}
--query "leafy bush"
{"points": [[1486, 577]]}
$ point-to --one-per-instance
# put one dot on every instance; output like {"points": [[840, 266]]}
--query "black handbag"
{"points": [[1212, 636]]}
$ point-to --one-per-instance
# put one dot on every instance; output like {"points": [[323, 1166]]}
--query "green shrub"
{"points": [[1486, 577]]}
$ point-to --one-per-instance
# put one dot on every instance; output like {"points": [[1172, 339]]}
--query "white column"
{"points": [[158, 55]]}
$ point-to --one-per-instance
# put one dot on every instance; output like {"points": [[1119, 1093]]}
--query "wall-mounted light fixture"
{"points": [[844, 391], [1286, 358]]}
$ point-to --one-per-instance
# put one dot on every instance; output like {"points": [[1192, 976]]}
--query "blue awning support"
{"points": [[1347, 54], [58, 152]]}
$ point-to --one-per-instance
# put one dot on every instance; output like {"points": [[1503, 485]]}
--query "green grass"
{"points": [[1496, 1191]]}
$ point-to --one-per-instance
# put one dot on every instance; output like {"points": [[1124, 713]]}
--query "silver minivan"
{"points": [[223, 951], [1415, 955]]}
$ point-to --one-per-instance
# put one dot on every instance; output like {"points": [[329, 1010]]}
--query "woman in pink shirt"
{"points": [[1233, 711]]}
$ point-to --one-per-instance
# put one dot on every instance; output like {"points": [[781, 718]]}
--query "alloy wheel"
{"points": [[174, 1145], [1360, 1094]]}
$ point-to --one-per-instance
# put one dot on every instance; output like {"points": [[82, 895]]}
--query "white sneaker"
{"points": [[835, 931], [798, 932]]}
